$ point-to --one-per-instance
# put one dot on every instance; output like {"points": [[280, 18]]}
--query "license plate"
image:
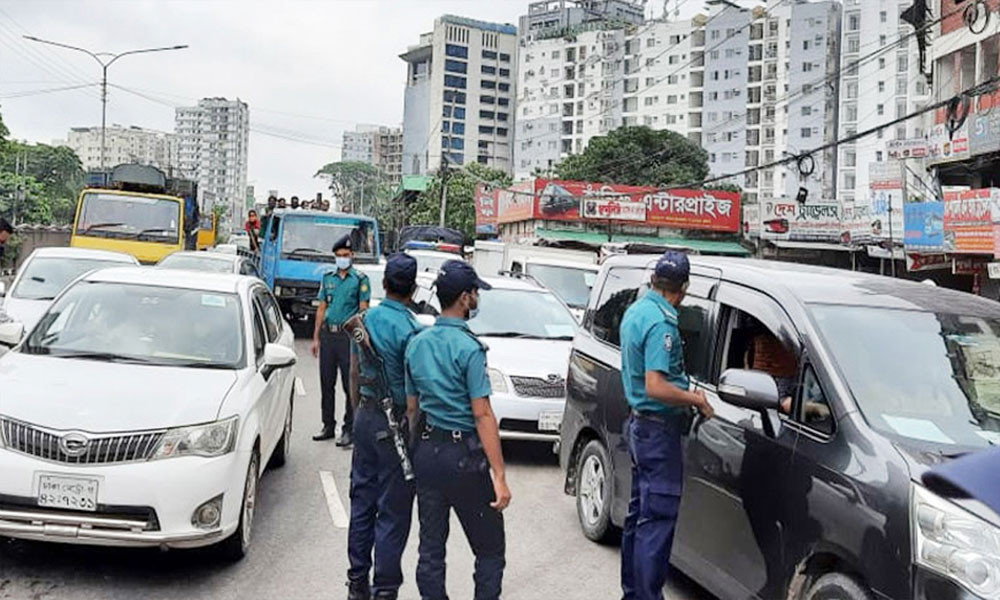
{"points": [[74, 493], [550, 420]]}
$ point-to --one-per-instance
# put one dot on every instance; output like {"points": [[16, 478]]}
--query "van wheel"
{"points": [[594, 492], [236, 546], [837, 586], [280, 455]]}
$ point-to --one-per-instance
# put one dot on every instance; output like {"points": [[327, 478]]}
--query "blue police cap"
{"points": [[972, 476], [401, 270], [458, 276], [343, 242], [673, 266]]}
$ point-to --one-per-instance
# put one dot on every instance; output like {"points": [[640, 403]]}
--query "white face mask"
{"points": [[343, 262], [473, 313]]}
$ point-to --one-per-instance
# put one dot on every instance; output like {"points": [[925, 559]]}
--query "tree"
{"points": [[637, 156], [40, 182], [460, 212], [353, 184]]}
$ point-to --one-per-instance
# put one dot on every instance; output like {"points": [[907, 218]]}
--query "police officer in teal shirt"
{"points": [[343, 293], [657, 388], [459, 443], [381, 498]]}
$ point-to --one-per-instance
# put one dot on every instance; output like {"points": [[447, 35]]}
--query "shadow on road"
{"points": [[530, 453]]}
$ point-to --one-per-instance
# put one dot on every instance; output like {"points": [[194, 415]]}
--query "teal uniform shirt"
{"points": [[446, 369], [390, 326], [343, 295], [651, 341]]}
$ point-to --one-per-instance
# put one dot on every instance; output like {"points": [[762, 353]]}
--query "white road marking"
{"points": [[300, 388], [337, 512]]}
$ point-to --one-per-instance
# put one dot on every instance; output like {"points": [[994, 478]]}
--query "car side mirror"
{"points": [[276, 357], [3, 289], [11, 333], [425, 319], [754, 390]]}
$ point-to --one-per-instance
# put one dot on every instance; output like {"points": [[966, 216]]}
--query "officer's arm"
{"points": [[365, 293], [659, 388], [320, 316], [489, 435], [661, 341]]}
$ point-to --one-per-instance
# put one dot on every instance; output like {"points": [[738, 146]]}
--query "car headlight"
{"points": [[955, 543], [211, 439], [497, 381]]}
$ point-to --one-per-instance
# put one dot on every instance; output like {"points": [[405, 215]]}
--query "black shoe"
{"points": [[384, 595], [326, 434], [345, 440], [358, 590]]}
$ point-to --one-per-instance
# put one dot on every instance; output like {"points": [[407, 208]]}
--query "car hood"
{"points": [[26, 312], [528, 358], [97, 397]]}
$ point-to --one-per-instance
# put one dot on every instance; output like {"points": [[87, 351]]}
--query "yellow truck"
{"points": [[134, 209], [208, 231]]}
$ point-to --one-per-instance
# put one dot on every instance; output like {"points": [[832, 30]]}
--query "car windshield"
{"points": [[522, 313], [44, 277], [142, 324], [119, 216], [311, 237], [569, 283], [925, 376], [375, 282], [197, 263]]}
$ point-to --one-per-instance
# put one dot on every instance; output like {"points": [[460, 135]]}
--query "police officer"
{"points": [[458, 442], [381, 498], [343, 293], [657, 389]]}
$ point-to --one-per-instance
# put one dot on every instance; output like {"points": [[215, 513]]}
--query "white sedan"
{"points": [[214, 262], [529, 332], [141, 410], [45, 273]]}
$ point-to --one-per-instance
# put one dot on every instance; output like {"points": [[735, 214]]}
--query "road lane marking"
{"points": [[300, 388], [337, 512]]}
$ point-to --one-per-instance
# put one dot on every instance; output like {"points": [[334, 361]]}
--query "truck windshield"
{"points": [[569, 283], [930, 377], [306, 236], [119, 216]]}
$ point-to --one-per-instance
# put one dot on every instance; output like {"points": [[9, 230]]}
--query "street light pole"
{"points": [[105, 62]]}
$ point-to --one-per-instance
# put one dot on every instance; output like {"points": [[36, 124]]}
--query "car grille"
{"points": [[99, 449], [538, 387]]}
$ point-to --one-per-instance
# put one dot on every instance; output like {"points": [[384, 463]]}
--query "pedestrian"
{"points": [[343, 293], [459, 440], [295, 202], [6, 230], [659, 394], [192, 221], [252, 227], [282, 203], [381, 498]]}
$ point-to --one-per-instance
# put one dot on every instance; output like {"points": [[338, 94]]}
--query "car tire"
{"points": [[594, 493], [236, 546], [838, 586], [280, 455]]}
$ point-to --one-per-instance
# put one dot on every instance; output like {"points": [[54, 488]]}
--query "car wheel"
{"points": [[236, 546], [837, 586], [280, 455], [594, 492]]}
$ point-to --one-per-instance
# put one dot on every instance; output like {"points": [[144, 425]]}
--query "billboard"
{"points": [[887, 189], [486, 208], [968, 221], [600, 209], [924, 226], [707, 210], [516, 203], [818, 222], [562, 200]]}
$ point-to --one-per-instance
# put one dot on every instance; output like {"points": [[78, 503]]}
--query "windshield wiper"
{"points": [[307, 250], [565, 338], [101, 225], [102, 356], [512, 334], [154, 230], [197, 364]]}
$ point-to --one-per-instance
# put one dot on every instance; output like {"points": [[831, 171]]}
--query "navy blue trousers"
{"points": [[657, 480], [381, 504], [334, 356], [455, 475]]}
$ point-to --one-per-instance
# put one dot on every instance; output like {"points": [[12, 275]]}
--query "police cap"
{"points": [[401, 270], [458, 276], [342, 243], [673, 266]]}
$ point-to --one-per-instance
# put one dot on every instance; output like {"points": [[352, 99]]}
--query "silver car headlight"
{"points": [[211, 439], [955, 543], [498, 383]]}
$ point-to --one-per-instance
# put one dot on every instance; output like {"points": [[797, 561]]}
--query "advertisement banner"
{"points": [[911, 148], [801, 222], [984, 133], [562, 200], [887, 187], [968, 221], [707, 210], [516, 203], [857, 224], [942, 147], [927, 262], [613, 210], [486, 208], [751, 221], [924, 226]]}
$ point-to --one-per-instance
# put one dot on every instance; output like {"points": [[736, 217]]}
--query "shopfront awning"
{"points": [[597, 239], [812, 246]]}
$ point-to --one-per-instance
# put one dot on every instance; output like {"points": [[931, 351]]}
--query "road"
{"points": [[299, 552]]}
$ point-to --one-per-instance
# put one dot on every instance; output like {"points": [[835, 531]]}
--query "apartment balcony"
{"points": [[698, 38], [694, 120], [697, 79], [757, 31], [698, 59], [695, 100]]}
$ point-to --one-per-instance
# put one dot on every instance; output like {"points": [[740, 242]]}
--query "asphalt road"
{"points": [[299, 552]]}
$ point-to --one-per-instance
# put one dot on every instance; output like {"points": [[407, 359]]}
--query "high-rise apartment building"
{"points": [[359, 145], [214, 140], [124, 145], [378, 146], [459, 97], [555, 17]]}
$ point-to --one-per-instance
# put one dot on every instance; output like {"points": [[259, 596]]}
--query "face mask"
{"points": [[473, 312], [343, 262]]}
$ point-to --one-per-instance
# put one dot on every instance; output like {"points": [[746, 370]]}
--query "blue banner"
{"points": [[924, 223]]}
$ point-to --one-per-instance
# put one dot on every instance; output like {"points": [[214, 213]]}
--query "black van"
{"points": [[819, 499]]}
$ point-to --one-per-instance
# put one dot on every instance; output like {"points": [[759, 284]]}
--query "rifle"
{"points": [[355, 326]]}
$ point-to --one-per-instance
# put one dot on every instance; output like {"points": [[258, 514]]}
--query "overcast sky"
{"points": [[308, 69]]}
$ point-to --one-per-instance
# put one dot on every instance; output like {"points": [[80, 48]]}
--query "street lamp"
{"points": [[105, 62]]}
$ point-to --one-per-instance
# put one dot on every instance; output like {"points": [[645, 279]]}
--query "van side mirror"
{"points": [[754, 390], [276, 357]]}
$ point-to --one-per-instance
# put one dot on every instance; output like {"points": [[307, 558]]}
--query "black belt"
{"points": [[666, 419], [334, 328], [435, 434]]}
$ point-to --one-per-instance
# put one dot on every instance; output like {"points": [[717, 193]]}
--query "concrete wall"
{"points": [[31, 238]]}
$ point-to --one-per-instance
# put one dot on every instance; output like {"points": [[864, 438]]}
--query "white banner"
{"points": [[612, 210]]}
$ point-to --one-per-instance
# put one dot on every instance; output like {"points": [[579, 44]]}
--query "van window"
{"points": [[751, 345], [621, 287], [696, 330], [815, 410]]}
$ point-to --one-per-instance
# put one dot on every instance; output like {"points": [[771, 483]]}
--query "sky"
{"points": [[307, 69]]}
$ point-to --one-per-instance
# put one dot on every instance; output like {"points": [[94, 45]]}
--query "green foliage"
{"points": [[725, 187], [353, 184], [637, 156], [460, 212]]}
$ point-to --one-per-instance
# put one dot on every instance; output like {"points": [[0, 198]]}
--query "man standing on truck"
{"points": [[658, 391], [343, 293]]}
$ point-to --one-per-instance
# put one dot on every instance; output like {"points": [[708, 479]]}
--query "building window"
{"points": [[458, 128], [504, 57], [881, 63], [504, 72], [502, 132], [488, 70], [503, 101], [487, 99], [457, 143], [445, 126], [489, 54], [805, 45], [504, 87], [488, 85], [483, 129], [501, 116], [487, 114], [459, 111], [454, 81], [853, 21], [806, 111], [880, 109], [806, 132], [883, 17], [456, 51], [455, 66], [453, 96]]}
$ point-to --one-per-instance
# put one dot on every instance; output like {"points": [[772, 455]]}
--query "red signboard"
{"points": [[694, 209], [486, 208], [516, 203]]}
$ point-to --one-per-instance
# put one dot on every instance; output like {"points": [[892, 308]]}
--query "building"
{"points": [[556, 17], [378, 146], [214, 140], [124, 145], [459, 96], [359, 145]]}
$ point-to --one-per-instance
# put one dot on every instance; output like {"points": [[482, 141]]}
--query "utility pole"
{"points": [[444, 190], [105, 62]]}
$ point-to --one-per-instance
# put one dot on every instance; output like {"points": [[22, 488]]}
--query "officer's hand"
{"points": [[703, 406], [315, 348], [502, 493]]}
